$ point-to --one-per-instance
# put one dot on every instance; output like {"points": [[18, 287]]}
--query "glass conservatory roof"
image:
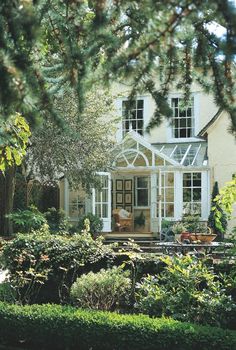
{"points": [[186, 154], [135, 151]]}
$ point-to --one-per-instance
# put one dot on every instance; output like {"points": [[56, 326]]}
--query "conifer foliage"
{"points": [[134, 41], [212, 217]]}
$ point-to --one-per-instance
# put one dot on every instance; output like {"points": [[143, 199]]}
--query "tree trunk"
{"points": [[7, 189]]}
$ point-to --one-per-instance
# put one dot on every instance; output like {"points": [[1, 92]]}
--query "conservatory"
{"points": [[151, 182]]}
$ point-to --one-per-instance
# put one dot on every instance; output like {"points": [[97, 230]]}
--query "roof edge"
{"points": [[210, 123]]}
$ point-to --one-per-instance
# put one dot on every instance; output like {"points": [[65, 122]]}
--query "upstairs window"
{"points": [[183, 118], [132, 115]]}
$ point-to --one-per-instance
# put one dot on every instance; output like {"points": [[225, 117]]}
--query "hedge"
{"points": [[61, 327]]}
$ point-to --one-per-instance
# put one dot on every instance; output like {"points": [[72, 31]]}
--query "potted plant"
{"points": [[196, 230], [178, 228]]}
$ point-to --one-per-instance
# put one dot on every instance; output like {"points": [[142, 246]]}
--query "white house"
{"points": [[165, 173]]}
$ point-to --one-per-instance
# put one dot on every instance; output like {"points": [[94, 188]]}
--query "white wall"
{"points": [[204, 110], [222, 153]]}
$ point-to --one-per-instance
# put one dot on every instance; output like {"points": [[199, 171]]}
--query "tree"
{"points": [[79, 150], [87, 40], [15, 135], [212, 217]]}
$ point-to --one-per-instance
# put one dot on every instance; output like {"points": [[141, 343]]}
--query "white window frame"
{"points": [[192, 188], [119, 134], [141, 188], [133, 120], [170, 136], [99, 201]]}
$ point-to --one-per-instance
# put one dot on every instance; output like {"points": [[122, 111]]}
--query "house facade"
{"points": [[164, 173]]}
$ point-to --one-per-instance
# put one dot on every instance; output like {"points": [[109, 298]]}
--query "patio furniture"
{"points": [[123, 220]]}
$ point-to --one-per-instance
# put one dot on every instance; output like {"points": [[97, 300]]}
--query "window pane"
{"points": [[98, 210], [197, 179], [142, 197], [187, 194], [197, 194], [170, 179], [169, 210], [140, 104], [104, 210], [142, 182], [140, 124], [169, 194], [105, 195], [196, 208], [187, 180]]}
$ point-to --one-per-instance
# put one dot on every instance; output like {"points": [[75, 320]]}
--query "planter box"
{"points": [[203, 237]]}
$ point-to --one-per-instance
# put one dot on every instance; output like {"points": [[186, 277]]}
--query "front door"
{"points": [[101, 201]]}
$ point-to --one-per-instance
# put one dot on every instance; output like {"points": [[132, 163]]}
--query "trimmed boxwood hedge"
{"points": [[61, 327]]}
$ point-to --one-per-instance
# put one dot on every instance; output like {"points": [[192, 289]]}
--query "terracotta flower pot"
{"points": [[185, 235], [203, 237]]}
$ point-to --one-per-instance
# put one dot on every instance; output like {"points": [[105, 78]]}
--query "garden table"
{"points": [[184, 248]]}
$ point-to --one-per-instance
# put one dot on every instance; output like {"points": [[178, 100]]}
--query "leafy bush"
{"points": [[56, 219], [25, 221], [95, 222], [193, 224], [103, 290], [187, 290], [40, 260], [7, 292], [58, 327]]}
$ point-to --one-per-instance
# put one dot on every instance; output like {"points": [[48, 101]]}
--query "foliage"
{"points": [[41, 262], [7, 292], [224, 203], [111, 40], [193, 224], [166, 223], [187, 290], [56, 219], [59, 327], [212, 219], [82, 148], [95, 223], [14, 136], [104, 290], [178, 228], [27, 220]]}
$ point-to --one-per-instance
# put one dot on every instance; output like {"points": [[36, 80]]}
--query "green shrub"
{"points": [[103, 290], [56, 219], [187, 290], [95, 223], [25, 221], [41, 260], [56, 327], [7, 292]]}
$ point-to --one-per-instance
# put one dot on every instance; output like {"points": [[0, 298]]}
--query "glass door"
{"points": [[102, 201]]}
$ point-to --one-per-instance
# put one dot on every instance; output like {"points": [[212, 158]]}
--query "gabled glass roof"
{"points": [[186, 154], [134, 151]]}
